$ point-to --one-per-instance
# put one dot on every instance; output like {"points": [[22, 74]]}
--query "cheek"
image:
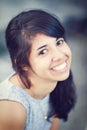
{"points": [[69, 54], [41, 64], [67, 50]]}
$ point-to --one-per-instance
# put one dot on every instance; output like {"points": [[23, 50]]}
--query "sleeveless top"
{"points": [[36, 109]]}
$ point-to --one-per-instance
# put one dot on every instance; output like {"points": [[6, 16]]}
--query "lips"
{"points": [[60, 67]]}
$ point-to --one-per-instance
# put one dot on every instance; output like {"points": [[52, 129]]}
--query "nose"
{"points": [[57, 55]]}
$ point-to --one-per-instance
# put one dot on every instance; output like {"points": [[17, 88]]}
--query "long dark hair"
{"points": [[19, 34], [63, 97]]}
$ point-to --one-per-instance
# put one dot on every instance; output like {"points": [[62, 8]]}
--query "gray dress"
{"points": [[36, 109]]}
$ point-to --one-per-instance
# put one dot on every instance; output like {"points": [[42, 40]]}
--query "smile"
{"points": [[60, 67]]}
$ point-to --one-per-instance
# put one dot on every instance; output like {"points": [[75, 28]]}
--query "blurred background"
{"points": [[73, 16]]}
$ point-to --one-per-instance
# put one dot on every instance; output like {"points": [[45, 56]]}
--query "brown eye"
{"points": [[42, 52], [59, 42]]}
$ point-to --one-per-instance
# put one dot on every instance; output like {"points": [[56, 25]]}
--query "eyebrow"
{"points": [[41, 47], [45, 45]]}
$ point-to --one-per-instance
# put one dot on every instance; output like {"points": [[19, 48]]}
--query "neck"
{"points": [[40, 88]]}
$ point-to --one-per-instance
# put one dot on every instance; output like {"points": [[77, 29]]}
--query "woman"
{"points": [[41, 92]]}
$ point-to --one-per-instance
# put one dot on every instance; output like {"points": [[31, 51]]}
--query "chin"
{"points": [[64, 76]]}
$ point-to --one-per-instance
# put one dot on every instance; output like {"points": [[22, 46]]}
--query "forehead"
{"points": [[42, 39]]}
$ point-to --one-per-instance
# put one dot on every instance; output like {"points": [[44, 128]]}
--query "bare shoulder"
{"points": [[12, 115]]}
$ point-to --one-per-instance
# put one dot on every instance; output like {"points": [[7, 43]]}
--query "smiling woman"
{"points": [[57, 58], [41, 92]]}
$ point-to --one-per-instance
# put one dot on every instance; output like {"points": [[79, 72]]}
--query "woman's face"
{"points": [[50, 58]]}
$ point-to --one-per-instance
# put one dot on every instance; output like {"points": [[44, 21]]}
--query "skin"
{"points": [[50, 61], [12, 116]]}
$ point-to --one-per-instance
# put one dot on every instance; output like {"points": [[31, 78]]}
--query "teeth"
{"points": [[60, 67]]}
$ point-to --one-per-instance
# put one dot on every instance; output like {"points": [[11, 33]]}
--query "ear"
{"points": [[15, 61], [25, 68]]}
